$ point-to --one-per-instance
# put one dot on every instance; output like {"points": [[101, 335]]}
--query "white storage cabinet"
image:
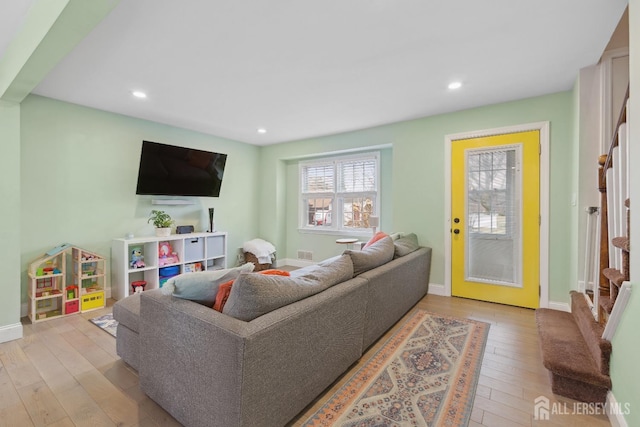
{"points": [[190, 252]]}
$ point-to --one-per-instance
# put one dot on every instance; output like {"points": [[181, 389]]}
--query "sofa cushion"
{"points": [[397, 235], [381, 252], [405, 245], [224, 290], [253, 295], [202, 286], [127, 312]]}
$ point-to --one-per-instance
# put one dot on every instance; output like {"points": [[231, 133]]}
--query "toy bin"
{"points": [[71, 307], [92, 301], [169, 271]]}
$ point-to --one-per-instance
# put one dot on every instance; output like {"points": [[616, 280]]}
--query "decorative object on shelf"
{"points": [[162, 221], [137, 259], [211, 227], [166, 254], [185, 229], [192, 268], [138, 286]]}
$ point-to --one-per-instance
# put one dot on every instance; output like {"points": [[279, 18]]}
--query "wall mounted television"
{"points": [[168, 170]]}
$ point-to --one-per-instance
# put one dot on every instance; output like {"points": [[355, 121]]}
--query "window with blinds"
{"points": [[340, 193]]}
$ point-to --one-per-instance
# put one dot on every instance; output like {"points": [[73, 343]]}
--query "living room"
{"points": [[70, 171]]}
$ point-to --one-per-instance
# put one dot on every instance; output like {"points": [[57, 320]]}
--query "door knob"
{"points": [[456, 220], [456, 231]]}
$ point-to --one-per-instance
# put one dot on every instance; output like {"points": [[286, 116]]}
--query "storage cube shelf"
{"points": [[49, 293], [156, 259]]}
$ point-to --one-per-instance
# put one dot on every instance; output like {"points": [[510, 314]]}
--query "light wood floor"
{"points": [[65, 372]]}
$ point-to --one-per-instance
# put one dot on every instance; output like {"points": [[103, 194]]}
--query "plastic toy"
{"points": [[138, 286], [71, 291], [166, 254], [137, 260]]}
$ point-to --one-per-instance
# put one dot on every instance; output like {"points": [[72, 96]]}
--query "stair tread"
{"points": [[563, 345], [621, 242], [615, 276]]}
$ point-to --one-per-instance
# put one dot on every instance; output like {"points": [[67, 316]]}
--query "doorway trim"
{"points": [[543, 127]]}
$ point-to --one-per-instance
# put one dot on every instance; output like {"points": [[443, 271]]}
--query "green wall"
{"points": [[79, 169], [625, 374], [417, 178], [10, 219]]}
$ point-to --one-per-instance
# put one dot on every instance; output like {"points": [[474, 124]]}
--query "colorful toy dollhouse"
{"points": [[51, 295]]}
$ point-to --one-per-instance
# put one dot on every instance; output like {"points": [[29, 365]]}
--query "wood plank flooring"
{"points": [[65, 372]]}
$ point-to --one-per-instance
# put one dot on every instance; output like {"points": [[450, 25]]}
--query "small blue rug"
{"points": [[107, 323]]}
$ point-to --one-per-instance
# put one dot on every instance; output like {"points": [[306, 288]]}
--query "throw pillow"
{"points": [[253, 295], [223, 295], [381, 252], [405, 245], [396, 236], [202, 286], [379, 235], [225, 289]]}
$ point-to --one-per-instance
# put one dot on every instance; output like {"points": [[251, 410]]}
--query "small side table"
{"points": [[347, 241]]}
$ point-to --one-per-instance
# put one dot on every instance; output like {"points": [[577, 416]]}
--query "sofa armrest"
{"points": [[191, 359]]}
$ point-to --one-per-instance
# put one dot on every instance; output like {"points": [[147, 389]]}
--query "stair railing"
{"points": [[613, 184]]}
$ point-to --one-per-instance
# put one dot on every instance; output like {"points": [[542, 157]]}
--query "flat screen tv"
{"points": [[168, 170]]}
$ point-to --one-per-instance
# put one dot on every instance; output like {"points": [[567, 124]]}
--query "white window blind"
{"points": [[339, 194]]}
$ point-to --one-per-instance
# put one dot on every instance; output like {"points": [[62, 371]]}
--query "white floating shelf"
{"points": [[172, 202]]}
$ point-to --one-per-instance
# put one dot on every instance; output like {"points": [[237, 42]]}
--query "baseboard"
{"points": [[616, 411], [294, 262], [10, 332], [560, 306], [437, 289]]}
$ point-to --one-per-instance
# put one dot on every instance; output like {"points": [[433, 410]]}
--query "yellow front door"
{"points": [[495, 218]]}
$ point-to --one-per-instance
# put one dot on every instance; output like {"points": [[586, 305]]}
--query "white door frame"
{"points": [[543, 127]]}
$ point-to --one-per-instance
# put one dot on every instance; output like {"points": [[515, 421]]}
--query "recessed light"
{"points": [[262, 130], [455, 85], [139, 94]]}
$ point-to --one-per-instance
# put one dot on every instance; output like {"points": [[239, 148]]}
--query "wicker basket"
{"points": [[249, 257]]}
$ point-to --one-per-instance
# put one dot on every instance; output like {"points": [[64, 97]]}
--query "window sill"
{"points": [[333, 232]]}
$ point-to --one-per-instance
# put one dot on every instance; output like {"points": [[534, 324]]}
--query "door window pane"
{"points": [[493, 243]]}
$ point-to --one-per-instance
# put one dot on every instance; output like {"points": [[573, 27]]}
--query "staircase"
{"points": [[572, 344]]}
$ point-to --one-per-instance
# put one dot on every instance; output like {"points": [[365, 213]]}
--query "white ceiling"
{"points": [[302, 69]]}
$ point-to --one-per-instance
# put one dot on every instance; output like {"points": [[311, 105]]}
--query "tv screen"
{"points": [[168, 170]]}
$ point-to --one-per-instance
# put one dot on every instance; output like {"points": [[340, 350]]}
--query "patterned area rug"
{"points": [[424, 375], [107, 323]]}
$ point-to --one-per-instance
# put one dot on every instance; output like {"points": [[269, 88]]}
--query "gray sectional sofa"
{"points": [[208, 368]]}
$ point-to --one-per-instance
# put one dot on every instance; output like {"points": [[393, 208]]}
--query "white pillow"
{"points": [[202, 286]]}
